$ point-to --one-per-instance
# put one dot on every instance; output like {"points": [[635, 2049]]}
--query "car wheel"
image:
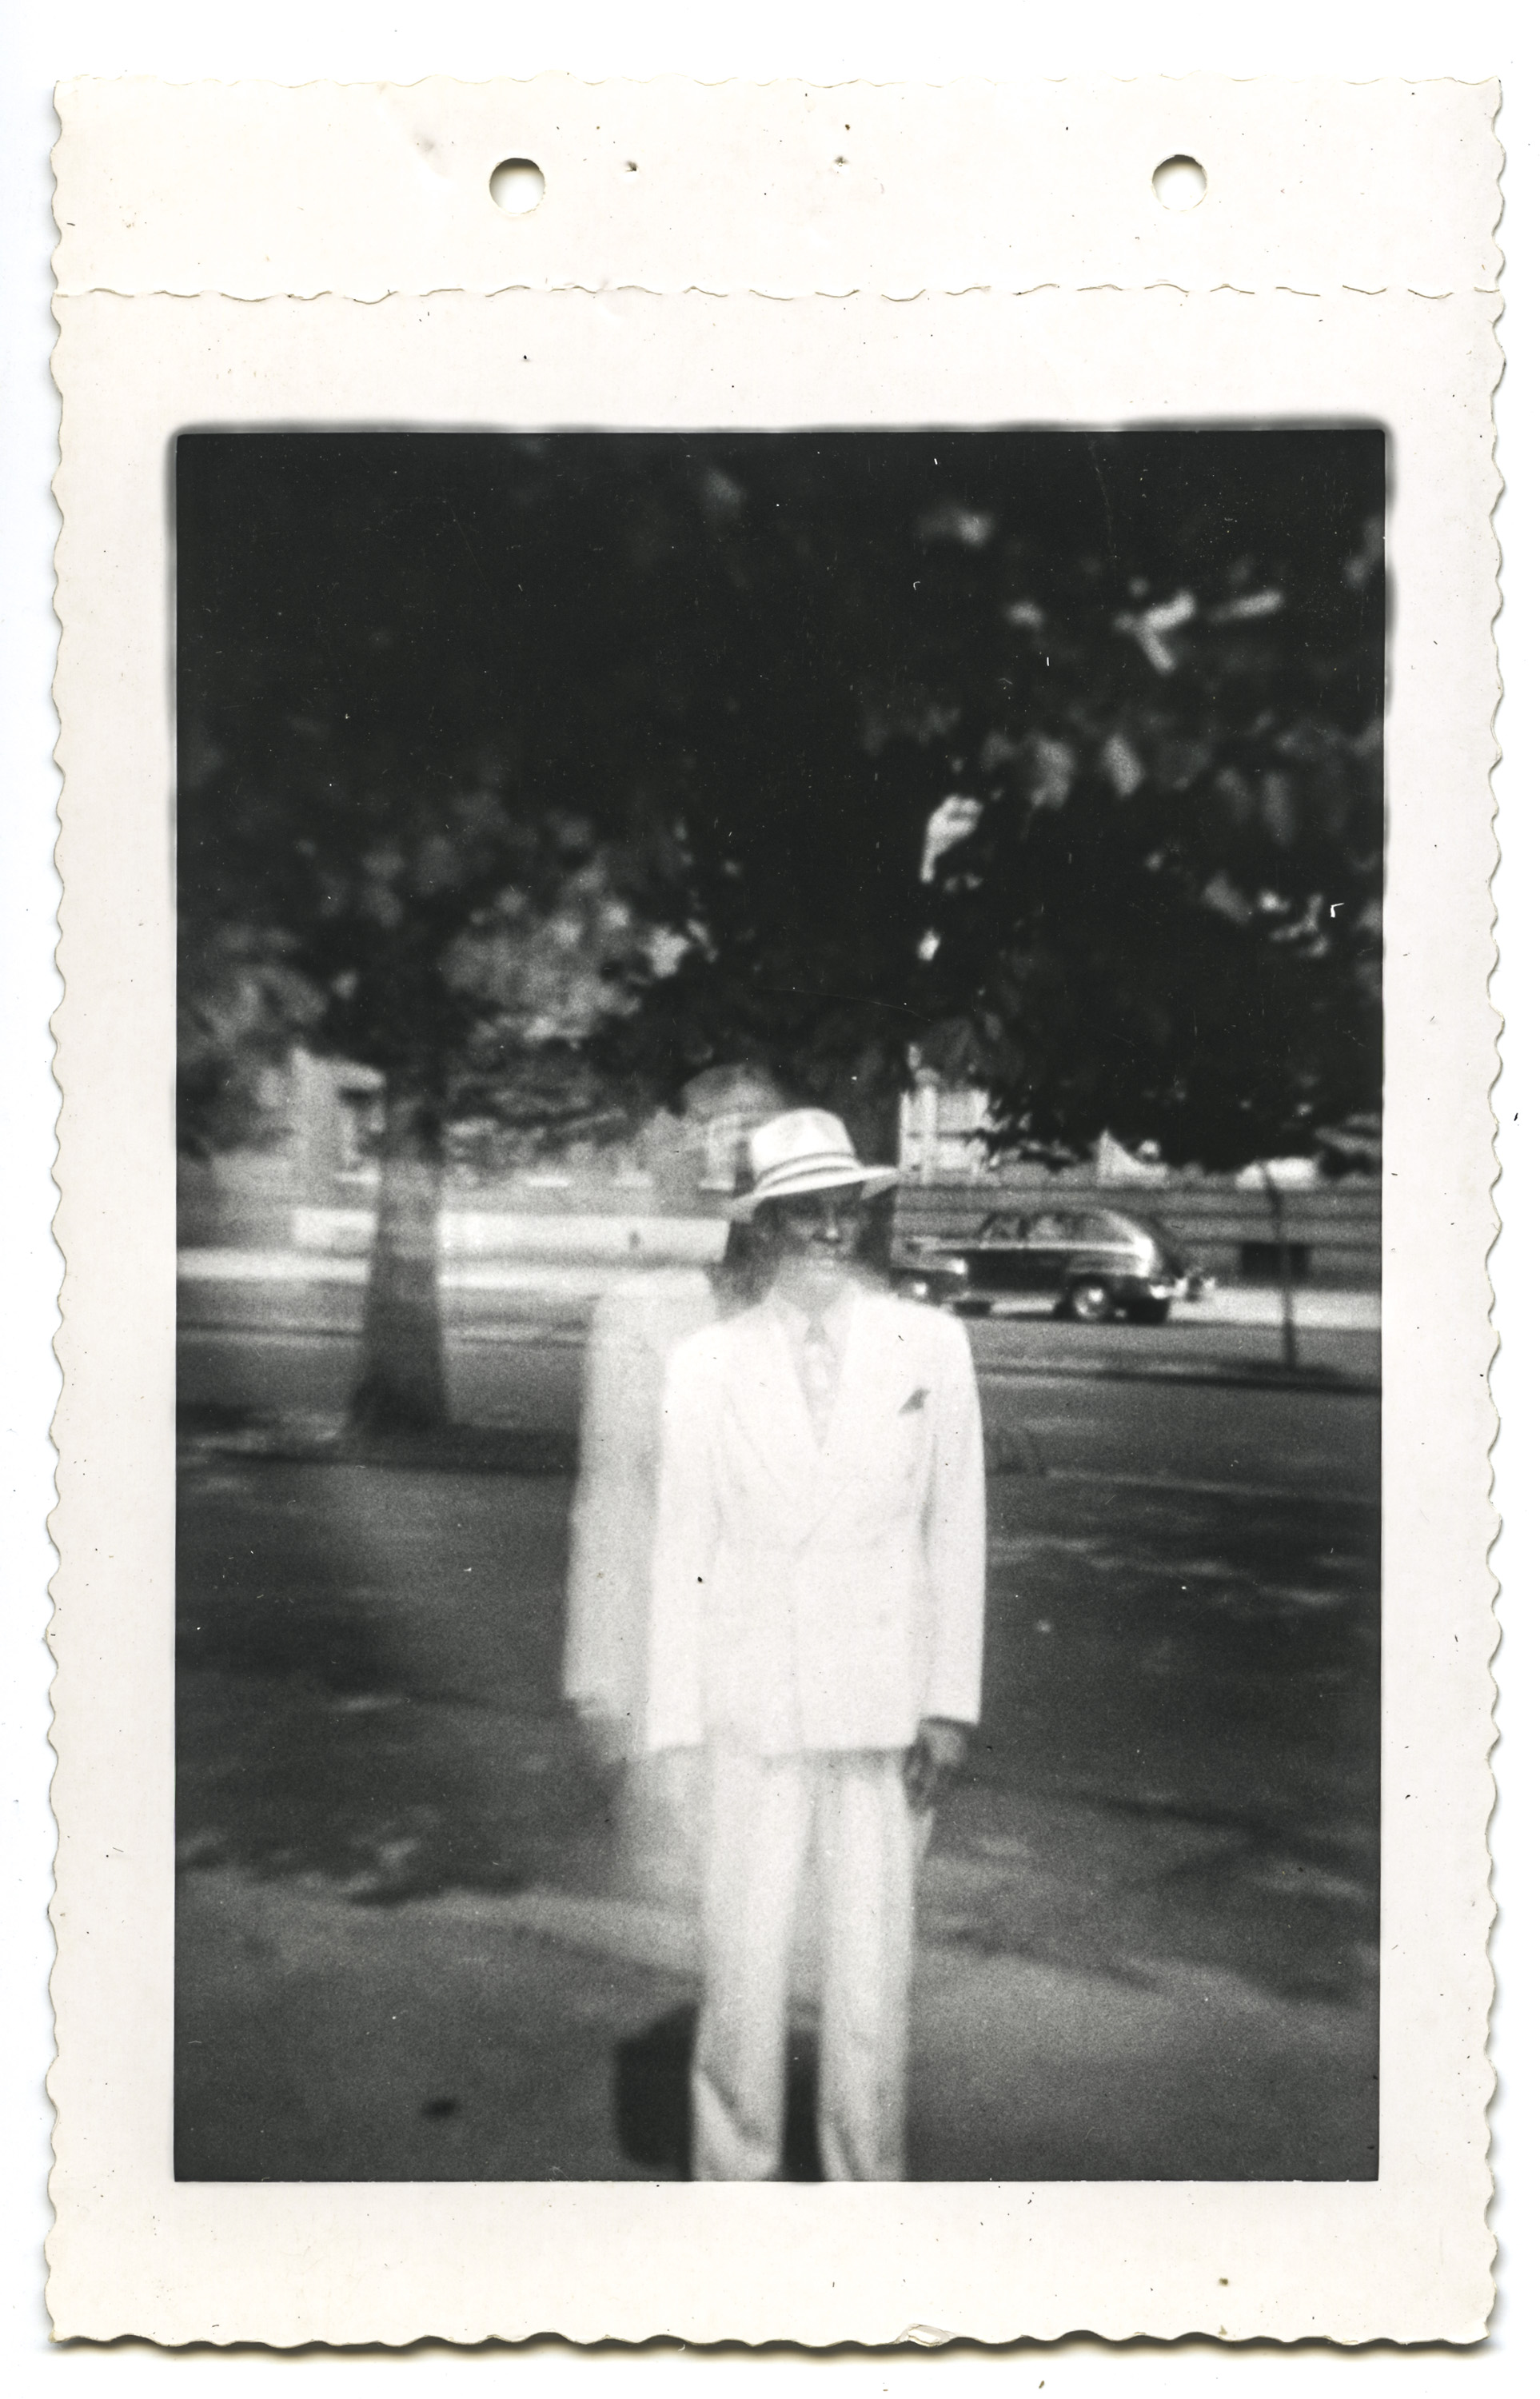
{"points": [[1149, 1311], [1089, 1302]]}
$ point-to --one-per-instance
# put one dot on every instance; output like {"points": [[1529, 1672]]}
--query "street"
{"points": [[1150, 1910], [514, 1356]]}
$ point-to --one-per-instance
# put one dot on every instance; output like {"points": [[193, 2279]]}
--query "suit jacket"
{"points": [[808, 1597]]}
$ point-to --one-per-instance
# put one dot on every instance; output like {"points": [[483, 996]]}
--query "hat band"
{"points": [[825, 1167]]}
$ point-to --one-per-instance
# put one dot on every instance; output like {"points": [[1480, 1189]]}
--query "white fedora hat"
{"points": [[805, 1150]]}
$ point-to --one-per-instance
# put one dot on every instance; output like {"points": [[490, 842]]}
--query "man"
{"points": [[817, 1623]]}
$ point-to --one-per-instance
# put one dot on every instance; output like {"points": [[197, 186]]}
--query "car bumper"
{"points": [[935, 1283]]}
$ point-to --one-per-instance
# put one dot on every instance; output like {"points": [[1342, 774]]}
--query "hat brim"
{"points": [[867, 1180]]}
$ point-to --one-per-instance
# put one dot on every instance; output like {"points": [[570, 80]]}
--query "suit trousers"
{"points": [[765, 1816]]}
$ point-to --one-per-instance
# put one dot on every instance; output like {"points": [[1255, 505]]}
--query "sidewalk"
{"points": [[585, 1278], [475, 2037]]}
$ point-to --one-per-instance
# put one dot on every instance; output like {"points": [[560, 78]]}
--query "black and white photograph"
{"points": [[778, 1110]]}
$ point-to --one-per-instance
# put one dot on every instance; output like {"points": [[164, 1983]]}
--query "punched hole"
{"points": [[516, 185], [1179, 182]]}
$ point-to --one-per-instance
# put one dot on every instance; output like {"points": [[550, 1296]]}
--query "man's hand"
{"points": [[938, 1749]]}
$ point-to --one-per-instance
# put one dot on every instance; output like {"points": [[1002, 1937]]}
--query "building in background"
{"points": [[656, 1194], [942, 1129]]}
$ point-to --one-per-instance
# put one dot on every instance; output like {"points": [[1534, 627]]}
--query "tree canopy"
{"points": [[546, 771]]}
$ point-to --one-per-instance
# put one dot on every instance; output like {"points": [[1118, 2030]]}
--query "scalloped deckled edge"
{"points": [[1495, 1029], [898, 298], [1203, 88]]}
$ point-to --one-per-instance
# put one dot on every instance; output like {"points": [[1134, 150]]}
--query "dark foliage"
{"points": [[545, 772]]}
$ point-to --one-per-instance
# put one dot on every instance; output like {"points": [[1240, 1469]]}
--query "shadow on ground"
{"points": [[651, 2098]]}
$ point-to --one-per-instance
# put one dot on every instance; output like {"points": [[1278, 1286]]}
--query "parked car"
{"points": [[1097, 1262]]}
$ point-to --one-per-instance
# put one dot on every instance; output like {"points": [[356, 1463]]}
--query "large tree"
{"points": [[1161, 916], [1163, 919], [543, 773], [396, 837], [1146, 673]]}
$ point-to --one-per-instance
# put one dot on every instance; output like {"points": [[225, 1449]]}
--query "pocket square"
{"points": [[915, 1401]]}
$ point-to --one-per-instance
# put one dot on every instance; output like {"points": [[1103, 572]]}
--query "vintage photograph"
{"points": [[780, 1075]]}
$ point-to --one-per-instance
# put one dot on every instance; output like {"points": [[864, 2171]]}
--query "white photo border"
{"points": [[1405, 2257]]}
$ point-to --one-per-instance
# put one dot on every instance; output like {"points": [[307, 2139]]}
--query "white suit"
{"points": [[811, 1605]]}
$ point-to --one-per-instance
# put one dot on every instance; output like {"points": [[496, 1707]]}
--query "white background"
{"points": [[821, 40]]}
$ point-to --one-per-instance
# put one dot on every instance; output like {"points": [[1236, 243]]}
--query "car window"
{"points": [[1097, 1226], [1053, 1226], [1101, 1225]]}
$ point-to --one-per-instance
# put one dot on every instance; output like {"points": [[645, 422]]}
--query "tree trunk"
{"points": [[1286, 1269], [405, 1387], [870, 1115], [867, 1100]]}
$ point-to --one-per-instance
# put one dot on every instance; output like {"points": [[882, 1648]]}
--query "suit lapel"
{"points": [[766, 1400], [862, 1403]]}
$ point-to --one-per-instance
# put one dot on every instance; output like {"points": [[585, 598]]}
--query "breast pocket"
{"points": [[897, 1456]]}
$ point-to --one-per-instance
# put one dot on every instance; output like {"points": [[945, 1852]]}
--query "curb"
{"points": [[1221, 1375]]}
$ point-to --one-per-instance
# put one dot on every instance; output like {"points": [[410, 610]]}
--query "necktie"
{"points": [[817, 1375]]}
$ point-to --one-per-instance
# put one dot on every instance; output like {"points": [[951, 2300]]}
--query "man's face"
{"points": [[813, 1241]]}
